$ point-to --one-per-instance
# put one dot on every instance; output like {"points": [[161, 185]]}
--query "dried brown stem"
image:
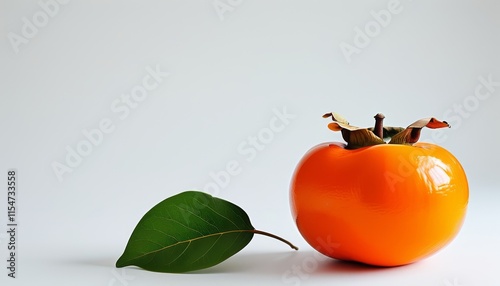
{"points": [[379, 125]]}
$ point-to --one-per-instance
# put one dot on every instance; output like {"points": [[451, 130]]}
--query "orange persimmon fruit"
{"points": [[376, 203]]}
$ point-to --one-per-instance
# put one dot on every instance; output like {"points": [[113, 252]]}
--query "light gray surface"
{"points": [[207, 81]]}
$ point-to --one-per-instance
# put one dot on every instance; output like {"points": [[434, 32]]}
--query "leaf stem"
{"points": [[379, 125], [275, 237]]}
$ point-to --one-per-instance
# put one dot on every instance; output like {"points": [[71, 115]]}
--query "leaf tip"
{"points": [[119, 265], [121, 262]]}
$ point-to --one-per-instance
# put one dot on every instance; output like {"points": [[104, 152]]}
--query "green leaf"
{"points": [[189, 231]]}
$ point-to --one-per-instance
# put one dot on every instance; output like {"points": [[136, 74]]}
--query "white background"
{"points": [[229, 71]]}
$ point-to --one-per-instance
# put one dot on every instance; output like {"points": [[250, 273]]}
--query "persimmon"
{"points": [[377, 203]]}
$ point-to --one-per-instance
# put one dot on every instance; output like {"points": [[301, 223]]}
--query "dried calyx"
{"points": [[357, 137]]}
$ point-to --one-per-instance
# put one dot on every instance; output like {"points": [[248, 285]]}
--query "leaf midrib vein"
{"points": [[191, 240]]}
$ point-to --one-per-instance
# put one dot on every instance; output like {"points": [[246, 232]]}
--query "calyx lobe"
{"points": [[357, 137]]}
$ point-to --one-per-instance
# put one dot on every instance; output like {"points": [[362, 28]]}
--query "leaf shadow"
{"points": [[103, 261], [250, 262], [274, 263]]}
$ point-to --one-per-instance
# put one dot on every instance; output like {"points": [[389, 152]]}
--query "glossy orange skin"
{"points": [[384, 205]]}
